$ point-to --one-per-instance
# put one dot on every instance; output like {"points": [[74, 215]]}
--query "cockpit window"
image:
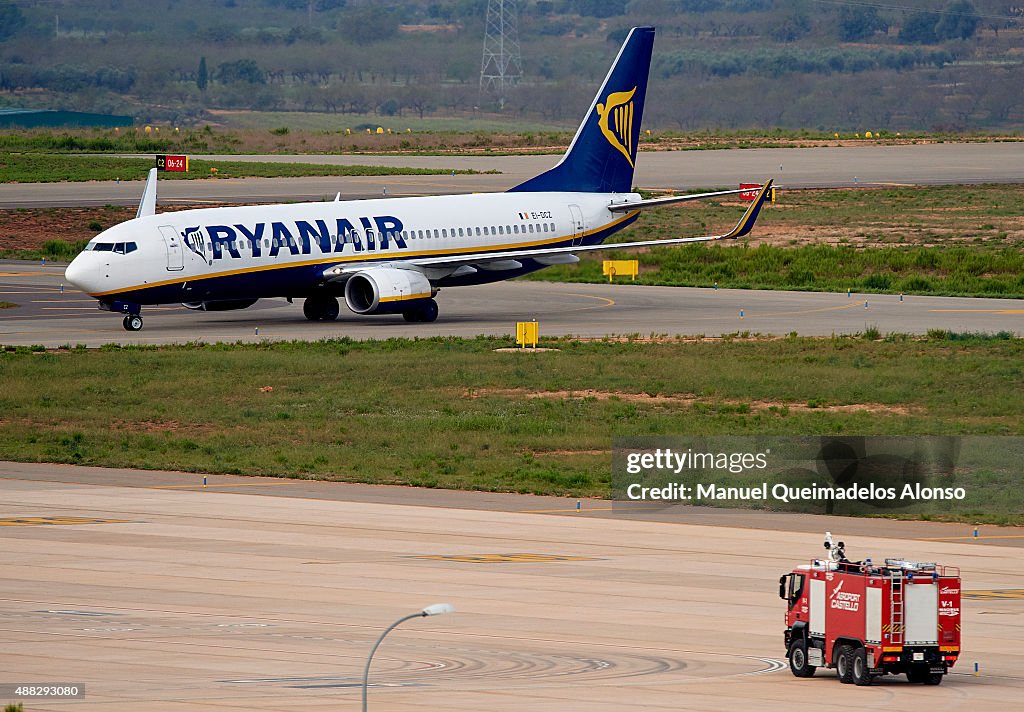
{"points": [[121, 248]]}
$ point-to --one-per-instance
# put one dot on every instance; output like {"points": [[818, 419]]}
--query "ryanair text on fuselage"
{"points": [[296, 237]]}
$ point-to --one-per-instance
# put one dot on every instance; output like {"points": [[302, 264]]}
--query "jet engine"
{"points": [[386, 290]]}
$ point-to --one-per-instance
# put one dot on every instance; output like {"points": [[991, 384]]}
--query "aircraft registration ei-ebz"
{"points": [[392, 255]]}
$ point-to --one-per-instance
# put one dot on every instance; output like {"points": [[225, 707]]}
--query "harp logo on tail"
{"points": [[615, 118]]}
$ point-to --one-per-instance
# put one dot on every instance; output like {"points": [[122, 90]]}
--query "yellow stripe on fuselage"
{"points": [[360, 257]]}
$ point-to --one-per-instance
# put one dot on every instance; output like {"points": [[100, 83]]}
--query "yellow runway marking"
{"points": [[607, 302], [841, 307], [239, 484], [62, 301], [978, 311], [49, 521], [818, 310], [1006, 593], [971, 538]]}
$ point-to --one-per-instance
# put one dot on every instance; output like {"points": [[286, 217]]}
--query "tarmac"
{"points": [[50, 313], [822, 167], [256, 593]]}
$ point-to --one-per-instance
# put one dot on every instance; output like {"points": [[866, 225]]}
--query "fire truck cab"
{"points": [[866, 619]]}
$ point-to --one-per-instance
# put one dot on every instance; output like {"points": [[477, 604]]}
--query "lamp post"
{"points": [[434, 610]]}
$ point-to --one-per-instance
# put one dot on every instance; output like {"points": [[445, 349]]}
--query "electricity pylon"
{"points": [[502, 67]]}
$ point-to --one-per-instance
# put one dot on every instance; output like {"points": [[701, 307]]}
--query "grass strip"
{"points": [[942, 240], [959, 271], [51, 168], [540, 423]]}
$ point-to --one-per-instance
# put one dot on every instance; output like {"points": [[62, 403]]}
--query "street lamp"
{"points": [[434, 610]]}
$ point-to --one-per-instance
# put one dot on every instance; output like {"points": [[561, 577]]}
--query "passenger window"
{"points": [[437, 234], [485, 231], [478, 232], [500, 230], [508, 229], [460, 233]]}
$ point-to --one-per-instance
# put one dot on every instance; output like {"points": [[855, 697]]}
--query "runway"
{"points": [[869, 165], [158, 594], [48, 316]]}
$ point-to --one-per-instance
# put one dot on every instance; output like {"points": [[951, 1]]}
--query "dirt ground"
{"points": [[29, 228]]}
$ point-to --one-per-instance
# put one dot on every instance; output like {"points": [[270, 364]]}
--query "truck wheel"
{"points": [[916, 673], [798, 659], [933, 678], [858, 661], [842, 661]]}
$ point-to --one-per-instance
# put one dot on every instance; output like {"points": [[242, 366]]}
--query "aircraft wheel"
{"points": [[321, 308], [429, 311], [132, 322], [412, 316], [331, 309]]}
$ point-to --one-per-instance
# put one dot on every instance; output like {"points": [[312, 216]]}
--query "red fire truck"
{"points": [[866, 619]]}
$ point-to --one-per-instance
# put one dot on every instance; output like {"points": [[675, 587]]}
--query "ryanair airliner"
{"points": [[392, 256]]}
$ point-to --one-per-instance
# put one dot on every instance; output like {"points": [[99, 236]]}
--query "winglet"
{"points": [[147, 206], [746, 223]]}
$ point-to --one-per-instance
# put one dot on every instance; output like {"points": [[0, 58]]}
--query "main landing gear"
{"points": [[427, 311], [132, 322], [321, 308]]}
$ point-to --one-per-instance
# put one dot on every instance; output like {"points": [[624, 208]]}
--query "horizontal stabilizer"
{"points": [[671, 200]]}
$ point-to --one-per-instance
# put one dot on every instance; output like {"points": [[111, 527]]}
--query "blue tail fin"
{"points": [[601, 156]]}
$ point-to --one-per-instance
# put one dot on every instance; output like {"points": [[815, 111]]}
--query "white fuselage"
{"points": [[281, 250]]}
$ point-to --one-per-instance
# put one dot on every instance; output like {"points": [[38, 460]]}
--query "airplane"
{"points": [[393, 255]]}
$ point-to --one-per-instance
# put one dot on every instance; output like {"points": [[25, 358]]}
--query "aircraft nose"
{"points": [[76, 273]]}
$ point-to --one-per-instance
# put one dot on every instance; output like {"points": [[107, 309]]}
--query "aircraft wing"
{"points": [[477, 258], [508, 259]]}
